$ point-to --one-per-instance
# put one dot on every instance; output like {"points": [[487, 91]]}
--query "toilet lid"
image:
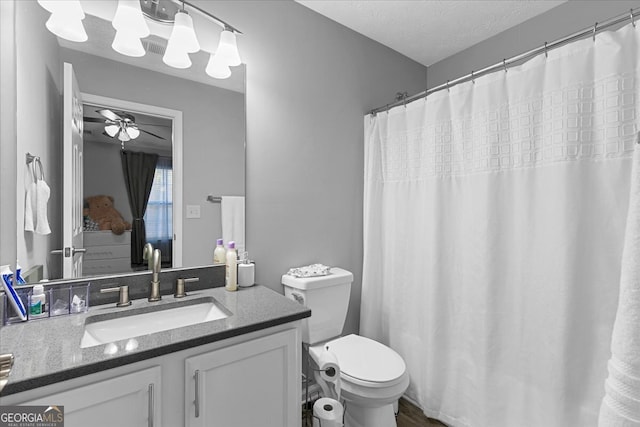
{"points": [[366, 359]]}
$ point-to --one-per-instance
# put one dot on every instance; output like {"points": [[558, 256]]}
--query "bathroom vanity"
{"points": [[240, 370]]}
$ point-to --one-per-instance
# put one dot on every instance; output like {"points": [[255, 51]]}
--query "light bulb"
{"points": [[217, 68], [175, 56], [133, 132], [66, 28], [128, 44], [183, 34], [129, 18], [111, 130], [228, 49]]}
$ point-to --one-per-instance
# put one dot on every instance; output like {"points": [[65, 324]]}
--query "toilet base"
{"points": [[360, 416]]}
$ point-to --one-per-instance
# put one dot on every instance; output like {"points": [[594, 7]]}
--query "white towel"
{"points": [[621, 404], [29, 203], [42, 198], [232, 215]]}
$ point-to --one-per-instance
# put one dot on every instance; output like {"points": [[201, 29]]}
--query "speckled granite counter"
{"points": [[48, 351]]}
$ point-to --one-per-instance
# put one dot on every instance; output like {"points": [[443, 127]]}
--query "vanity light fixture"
{"points": [[182, 42], [66, 19], [131, 26]]}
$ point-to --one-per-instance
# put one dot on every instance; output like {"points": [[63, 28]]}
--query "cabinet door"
{"points": [[255, 383], [125, 401]]}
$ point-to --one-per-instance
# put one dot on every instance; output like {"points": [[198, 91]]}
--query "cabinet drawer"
{"points": [[99, 238], [106, 266], [106, 252]]}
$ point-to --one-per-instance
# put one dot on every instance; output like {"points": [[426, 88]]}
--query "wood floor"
{"points": [[412, 416], [408, 416]]}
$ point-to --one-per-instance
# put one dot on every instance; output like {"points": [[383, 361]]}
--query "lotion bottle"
{"points": [[231, 276], [219, 254], [38, 301]]}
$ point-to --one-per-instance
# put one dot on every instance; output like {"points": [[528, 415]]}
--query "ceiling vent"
{"points": [[153, 47]]}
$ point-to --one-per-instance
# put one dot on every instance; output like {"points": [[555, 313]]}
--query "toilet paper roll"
{"points": [[330, 370], [327, 413]]}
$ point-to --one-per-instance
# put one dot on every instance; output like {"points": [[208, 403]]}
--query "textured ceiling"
{"points": [[428, 30]]}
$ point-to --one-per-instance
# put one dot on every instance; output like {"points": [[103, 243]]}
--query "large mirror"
{"points": [[192, 125]]}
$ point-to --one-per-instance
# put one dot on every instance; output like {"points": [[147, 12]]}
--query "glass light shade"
{"points": [[128, 44], [228, 49], [217, 68], [129, 18], [183, 34], [66, 28], [175, 56], [111, 130], [70, 8], [124, 136], [133, 132]]}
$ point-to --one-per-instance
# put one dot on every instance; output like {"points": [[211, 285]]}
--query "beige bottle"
{"points": [[231, 277], [219, 254]]}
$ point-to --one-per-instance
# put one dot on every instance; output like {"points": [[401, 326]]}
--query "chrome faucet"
{"points": [[147, 255], [154, 294]]}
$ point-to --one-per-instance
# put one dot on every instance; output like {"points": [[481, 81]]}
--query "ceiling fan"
{"points": [[122, 126]]}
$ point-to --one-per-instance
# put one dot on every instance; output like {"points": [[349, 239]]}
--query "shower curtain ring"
{"points": [[633, 21], [546, 50], [504, 64], [447, 85], [473, 79], [595, 29]]}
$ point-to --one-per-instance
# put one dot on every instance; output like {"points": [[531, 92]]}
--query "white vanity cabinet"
{"points": [[248, 380], [130, 400], [247, 384]]}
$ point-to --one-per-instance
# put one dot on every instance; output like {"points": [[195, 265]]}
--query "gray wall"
{"points": [[39, 131], [309, 83], [561, 21], [213, 138]]}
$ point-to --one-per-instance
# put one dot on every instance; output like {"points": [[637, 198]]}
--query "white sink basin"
{"points": [[135, 324]]}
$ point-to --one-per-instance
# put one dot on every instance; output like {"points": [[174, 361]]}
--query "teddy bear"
{"points": [[101, 211]]}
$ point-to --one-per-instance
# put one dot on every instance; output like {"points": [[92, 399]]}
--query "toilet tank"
{"points": [[327, 297]]}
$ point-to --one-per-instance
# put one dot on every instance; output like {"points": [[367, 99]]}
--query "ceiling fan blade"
{"points": [[109, 114], [152, 134], [93, 120]]}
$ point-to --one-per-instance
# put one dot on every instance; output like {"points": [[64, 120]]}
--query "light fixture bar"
{"points": [[224, 24]]}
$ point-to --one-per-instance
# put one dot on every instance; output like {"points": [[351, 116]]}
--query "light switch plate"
{"points": [[193, 211]]}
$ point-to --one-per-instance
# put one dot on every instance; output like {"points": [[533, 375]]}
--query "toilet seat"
{"points": [[366, 362]]}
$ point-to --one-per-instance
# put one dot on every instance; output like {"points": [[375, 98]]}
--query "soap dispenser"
{"points": [[246, 272]]}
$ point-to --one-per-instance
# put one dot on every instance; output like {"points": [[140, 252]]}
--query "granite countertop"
{"points": [[47, 351]]}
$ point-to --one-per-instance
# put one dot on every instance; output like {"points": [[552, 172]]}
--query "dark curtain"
{"points": [[139, 169]]}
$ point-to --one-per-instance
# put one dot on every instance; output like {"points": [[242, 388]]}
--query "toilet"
{"points": [[372, 376]]}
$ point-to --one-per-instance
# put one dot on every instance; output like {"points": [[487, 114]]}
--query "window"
{"points": [[159, 215]]}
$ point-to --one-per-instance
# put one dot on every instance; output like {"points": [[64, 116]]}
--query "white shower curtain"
{"points": [[494, 221]]}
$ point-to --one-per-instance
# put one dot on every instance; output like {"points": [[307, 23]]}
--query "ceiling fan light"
{"points": [[128, 44], [124, 136], [133, 132], [66, 28], [129, 18], [228, 49], [111, 130], [217, 68], [175, 56], [183, 33]]}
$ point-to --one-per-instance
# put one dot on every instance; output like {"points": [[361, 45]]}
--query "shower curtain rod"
{"points": [[403, 98]]}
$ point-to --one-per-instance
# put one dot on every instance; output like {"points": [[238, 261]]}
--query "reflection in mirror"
{"points": [[212, 130]]}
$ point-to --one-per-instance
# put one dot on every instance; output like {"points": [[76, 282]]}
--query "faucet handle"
{"points": [[124, 294], [180, 284]]}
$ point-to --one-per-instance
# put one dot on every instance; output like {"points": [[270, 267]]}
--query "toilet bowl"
{"points": [[372, 376], [372, 379]]}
